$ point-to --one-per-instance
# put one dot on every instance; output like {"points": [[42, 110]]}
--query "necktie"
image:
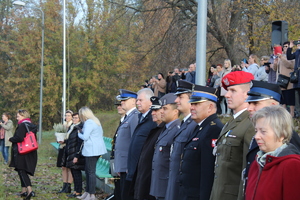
{"points": [[141, 119]]}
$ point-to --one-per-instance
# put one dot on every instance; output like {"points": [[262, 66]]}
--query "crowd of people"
{"points": [[159, 156], [156, 155]]}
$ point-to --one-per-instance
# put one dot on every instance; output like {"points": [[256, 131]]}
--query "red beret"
{"points": [[236, 78]]}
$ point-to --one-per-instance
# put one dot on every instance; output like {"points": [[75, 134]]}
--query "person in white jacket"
{"points": [[93, 147]]}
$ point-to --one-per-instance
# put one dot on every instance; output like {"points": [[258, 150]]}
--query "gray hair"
{"points": [[147, 91], [279, 120]]}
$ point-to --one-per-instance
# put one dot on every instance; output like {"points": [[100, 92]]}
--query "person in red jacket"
{"points": [[275, 173]]}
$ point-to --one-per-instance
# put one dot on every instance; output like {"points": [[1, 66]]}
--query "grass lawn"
{"points": [[47, 180]]}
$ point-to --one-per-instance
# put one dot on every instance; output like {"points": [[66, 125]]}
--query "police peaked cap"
{"points": [[184, 87], [261, 90], [202, 93], [126, 94]]}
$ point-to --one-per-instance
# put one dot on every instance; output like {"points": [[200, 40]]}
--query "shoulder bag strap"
{"points": [[27, 128]]}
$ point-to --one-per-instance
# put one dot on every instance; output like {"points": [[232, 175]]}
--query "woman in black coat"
{"points": [[74, 160], [24, 164]]}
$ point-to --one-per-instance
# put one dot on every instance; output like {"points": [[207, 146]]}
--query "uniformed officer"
{"points": [[117, 191], [143, 175], [183, 93], [262, 95], [234, 140], [124, 135], [197, 164], [160, 162]]}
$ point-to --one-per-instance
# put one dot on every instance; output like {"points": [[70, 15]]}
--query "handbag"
{"points": [[29, 143], [294, 76], [283, 81]]}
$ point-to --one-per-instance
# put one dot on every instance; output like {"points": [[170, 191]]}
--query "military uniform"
{"points": [[197, 164], [232, 148], [180, 140], [161, 159]]}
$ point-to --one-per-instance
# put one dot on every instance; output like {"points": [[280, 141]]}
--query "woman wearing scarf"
{"points": [[6, 132], [24, 164], [275, 174]]}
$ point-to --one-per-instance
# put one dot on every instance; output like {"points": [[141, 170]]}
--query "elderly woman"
{"points": [[24, 164], [6, 132], [93, 147], [275, 174]]}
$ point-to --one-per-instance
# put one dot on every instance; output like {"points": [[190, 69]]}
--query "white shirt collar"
{"points": [[238, 113]]}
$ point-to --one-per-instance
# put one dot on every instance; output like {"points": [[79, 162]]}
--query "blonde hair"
{"points": [[24, 113], [254, 57], [229, 61], [279, 119], [85, 113]]}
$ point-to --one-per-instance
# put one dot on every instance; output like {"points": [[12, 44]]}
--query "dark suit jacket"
{"points": [[180, 139], [138, 139], [143, 172], [161, 160], [197, 164], [232, 148]]}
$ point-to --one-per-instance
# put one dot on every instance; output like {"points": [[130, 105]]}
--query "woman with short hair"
{"points": [[275, 174], [93, 147], [24, 164]]}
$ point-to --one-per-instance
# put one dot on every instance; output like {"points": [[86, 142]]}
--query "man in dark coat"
{"points": [[296, 56], [141, 133], [184, 91], [197, 163], [143, 172], [262, 95], [234, 140], [124, 135], [162, 149]]}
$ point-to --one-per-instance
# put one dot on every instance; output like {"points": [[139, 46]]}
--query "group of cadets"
{"points": [[158, 156]]}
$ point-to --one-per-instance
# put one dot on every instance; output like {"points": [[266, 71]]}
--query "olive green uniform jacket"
{"points": [[232, 148]]}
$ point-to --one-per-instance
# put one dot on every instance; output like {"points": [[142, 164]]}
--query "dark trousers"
{"points": [[25, 180], [77, 176], [125, 187], [117, 190], [90, 172]]}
